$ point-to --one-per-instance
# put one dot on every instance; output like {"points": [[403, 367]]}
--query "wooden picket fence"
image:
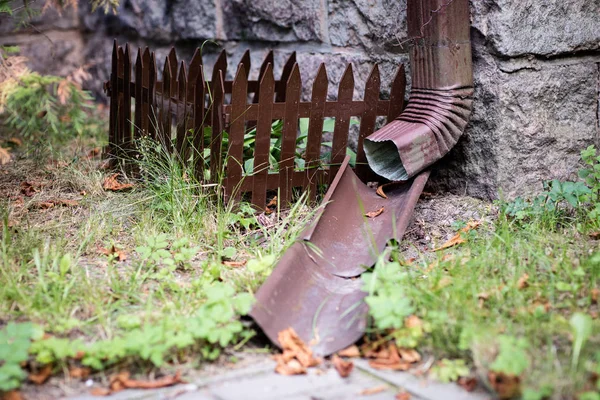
{"points": [[180, 108]]}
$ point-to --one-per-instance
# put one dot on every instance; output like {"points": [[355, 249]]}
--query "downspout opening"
{"points": [[384, 160]]}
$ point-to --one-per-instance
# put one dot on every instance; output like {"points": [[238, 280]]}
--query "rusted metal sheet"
{"points": [[440, 101], [315, 287]]}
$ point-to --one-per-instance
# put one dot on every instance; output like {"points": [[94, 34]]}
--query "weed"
{"points": [[15, 341]]}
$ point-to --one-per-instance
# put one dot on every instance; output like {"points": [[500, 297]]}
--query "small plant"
{"points": [[512, 356], [15, 341], [157, 251], [449, 370]]}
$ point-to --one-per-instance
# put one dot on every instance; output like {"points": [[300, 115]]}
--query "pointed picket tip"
{"points": [[127, 51], [289, 64], [221, 62], [295, 74], [269, 59], [241, 72], [268, 76], [166, 71], [200, 81], [172, 57], [374, 75], [196, 58], [347, 77], [182, 72], [321, 78], [245, 61], [138, 57], [146, 54]]}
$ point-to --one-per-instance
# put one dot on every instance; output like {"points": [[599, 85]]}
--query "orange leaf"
{"points": [[456, 239], [413, 321], [15, 141], [100, 392], [522, 283], [4, 156], [351, 351], [376, 213], [507, 386], [234, 264], [409, 355], [595, 295], [402, 396], [380, 192], [95, 152], [119, 255], [594, 235], [79, 372], [467, 383], [343, 367], [373, 390], [111, 183], [292, 367], [289, 340], [44, 205], [155, 384], [29, 189], [12, 395], [42, 376]]}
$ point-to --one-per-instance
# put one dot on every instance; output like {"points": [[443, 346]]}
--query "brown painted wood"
{"points": [[152, 102], [397, 93], [216, 141], [127, 92], [145, 93], [263, 138], [263, 69], [172, 56], [315, 131], [182, 113], [290, 132], [165, 110], [342, 121], [285, 75], [194, 70], [114, 103], [245, 61], [122, 116], [139, 67], [235, 160], [367, 121], [199, 117]]}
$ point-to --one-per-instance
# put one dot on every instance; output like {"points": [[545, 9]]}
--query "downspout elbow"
{"points": [[440, 100]]}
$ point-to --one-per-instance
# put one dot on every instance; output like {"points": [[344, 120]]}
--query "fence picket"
{"points": [[145, 91], [121, 118], [181, 116], [397, 93], [342, 122], [199, 117], [139, 68], [114, 102], [263, 69], [290, 132], [285, 75], [152, 119], [245, 61], [235, 160], [262, 142], [315, 131], [367, 121], [193, 72], [173, 63], [165, 110], [217, 127], [220, 65]]}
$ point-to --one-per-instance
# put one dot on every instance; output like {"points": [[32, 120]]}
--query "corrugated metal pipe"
{"points": [[440, 101]]}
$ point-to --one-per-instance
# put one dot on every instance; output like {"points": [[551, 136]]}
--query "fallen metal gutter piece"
{"points": [[440, 101], [315, 287]]}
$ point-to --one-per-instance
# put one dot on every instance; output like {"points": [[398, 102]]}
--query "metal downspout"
{"points": [[440, 101]]}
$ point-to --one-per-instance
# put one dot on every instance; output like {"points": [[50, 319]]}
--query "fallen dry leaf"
{"points": [[389, 359], [343, 367], [29, 189], [373, 390], [235, 264], [4, 156], [100, 391], [457, 239], [594, 235], [376, 213], [595, 295], [289, 340], [351, 351], [79, 372], [111, 183], [291, 367], [522, 282], [93, 153], [114, 251], [468, 383], [44, 205], [380, 192], [507, 386], [12, 395], [15, 141], [402, 396], [413, 321], [409, 355], [42, 376]]}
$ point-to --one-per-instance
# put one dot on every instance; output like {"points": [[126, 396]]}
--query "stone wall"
{"points": [[536, 67]]}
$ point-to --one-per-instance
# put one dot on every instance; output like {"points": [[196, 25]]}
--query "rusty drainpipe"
{"points": [[440, 101]]}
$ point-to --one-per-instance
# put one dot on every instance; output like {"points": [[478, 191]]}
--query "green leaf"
{"points": [[581, 325]]}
